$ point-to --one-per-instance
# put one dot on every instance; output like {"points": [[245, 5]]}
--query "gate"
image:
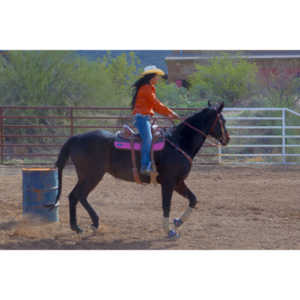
{"points": [[261, 136]]}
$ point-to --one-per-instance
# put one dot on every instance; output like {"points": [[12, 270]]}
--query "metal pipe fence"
{"points": [[35, 134], [274, 142]]}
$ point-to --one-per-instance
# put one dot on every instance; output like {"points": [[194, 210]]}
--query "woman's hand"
{"points": [[174, 116]]}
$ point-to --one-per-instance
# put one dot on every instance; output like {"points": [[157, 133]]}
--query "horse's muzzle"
{"points": [[225, 141]]}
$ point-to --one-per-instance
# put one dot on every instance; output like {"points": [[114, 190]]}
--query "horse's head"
{"points": [[218, 129]]}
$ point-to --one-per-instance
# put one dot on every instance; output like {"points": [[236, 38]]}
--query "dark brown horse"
{"points": [[93, 154]]}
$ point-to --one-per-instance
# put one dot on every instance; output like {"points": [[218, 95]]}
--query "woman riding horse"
{"points": [[94, 154], [144, 104]]}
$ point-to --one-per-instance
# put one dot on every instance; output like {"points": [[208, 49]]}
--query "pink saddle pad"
{"points": [[137, 146]]}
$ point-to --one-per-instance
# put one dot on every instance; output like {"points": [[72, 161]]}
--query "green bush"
{"points": [[224, 78], [65, 78], [52, 78], [62, 78], [174, 96], [122, 73], [170, 94]]}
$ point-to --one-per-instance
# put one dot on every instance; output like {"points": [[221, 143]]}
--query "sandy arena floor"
{"points": [[239, 208]]}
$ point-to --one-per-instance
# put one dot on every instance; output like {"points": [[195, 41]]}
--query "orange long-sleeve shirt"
{"points": [[146, 103]]}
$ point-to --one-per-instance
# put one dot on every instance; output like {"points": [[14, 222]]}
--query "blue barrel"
{"points": [[40, 187]]}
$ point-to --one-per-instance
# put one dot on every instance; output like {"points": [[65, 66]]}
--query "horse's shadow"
{"points": [[120, 244], [8, 225], [79, 242], [49, 244], [84, 243]]}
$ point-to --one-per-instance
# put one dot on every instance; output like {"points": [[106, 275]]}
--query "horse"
{"points": [[94, 154]]}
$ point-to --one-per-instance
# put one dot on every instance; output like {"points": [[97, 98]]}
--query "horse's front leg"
{"points": [[167, 191], [184, 191]]}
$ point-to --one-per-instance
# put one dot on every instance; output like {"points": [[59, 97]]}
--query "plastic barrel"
{"points": [[40, 187]]}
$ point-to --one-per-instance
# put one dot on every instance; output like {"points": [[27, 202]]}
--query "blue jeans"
{"points": [[142, 123]]}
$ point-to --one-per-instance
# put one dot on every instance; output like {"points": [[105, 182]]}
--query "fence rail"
{"points": [[34, 134], [281, 131], [258, 135]]}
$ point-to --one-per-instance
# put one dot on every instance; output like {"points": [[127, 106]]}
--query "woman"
{"points": [[144, 104]]}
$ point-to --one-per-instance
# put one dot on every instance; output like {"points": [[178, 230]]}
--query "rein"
{"points": [[180, 150], [198, 131], [201, 132]]}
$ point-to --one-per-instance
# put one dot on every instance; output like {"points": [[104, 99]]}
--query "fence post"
{"points": [[71, 122], [219, 153], [1, 136], [283, 136]]}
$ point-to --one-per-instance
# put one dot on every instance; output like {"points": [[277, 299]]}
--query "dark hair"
{"points": [[138, 84]]}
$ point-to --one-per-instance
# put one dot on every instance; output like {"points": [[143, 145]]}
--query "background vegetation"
{"points": [[63, 78], [224, 78], [68, 79]]}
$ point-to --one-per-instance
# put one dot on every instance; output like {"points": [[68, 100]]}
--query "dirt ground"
{"points": [[239, 208]]}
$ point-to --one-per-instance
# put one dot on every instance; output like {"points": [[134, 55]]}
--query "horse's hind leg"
{"points": [[80, 193], [88, 185], [93, 215], [73, 200]]}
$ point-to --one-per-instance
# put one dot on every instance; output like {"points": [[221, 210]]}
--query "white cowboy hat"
{"points": [[153, 69]]}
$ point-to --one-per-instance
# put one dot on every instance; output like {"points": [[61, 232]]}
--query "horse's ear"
{"points": [[220, 107], [209, 104]]}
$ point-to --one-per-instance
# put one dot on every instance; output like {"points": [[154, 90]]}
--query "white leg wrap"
{"points": [[166, 225], [186, 214]]}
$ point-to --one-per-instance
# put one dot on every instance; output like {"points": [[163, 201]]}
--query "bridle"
{"points": [[218, 118], [224, 134], [211, 129]]}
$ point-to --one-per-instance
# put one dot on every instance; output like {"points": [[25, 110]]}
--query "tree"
{"points": [[170, 94], [174, 96], [122, 73], [61, 78], [52, 78], [224, 78]]}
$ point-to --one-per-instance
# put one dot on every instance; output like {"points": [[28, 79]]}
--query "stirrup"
{"points": [[144, 171]]}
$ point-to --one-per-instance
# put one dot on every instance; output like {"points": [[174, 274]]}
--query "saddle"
{"points": [[128, 139]]}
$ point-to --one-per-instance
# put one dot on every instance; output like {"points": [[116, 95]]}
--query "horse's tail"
{"points": [[60, 164]]}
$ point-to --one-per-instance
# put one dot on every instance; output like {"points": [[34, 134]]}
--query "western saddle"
{"points": [[128, 139]]}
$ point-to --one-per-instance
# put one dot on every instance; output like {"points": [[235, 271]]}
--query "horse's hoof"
{"points": [[177, 222], [94, 228], [77, 229], [173, 235]]}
